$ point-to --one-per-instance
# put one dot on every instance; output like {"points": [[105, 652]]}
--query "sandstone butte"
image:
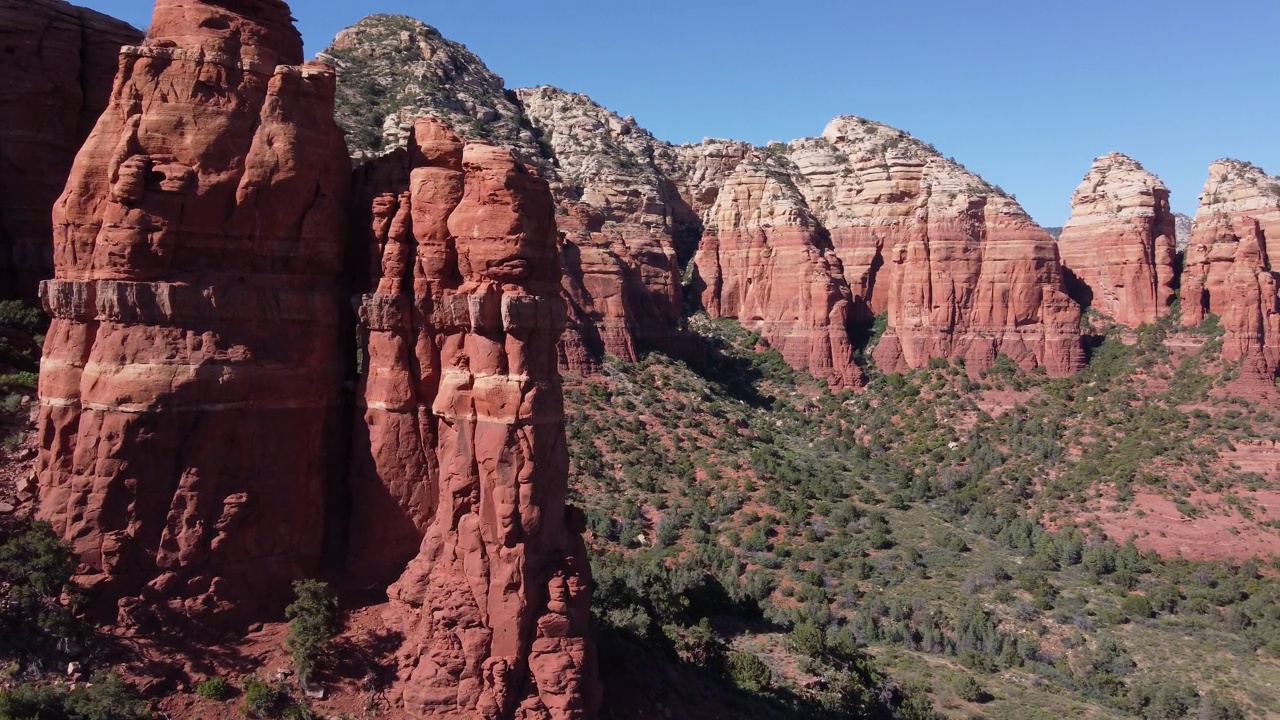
{"points": [[1120, 242], [463, 435], [59, 61], [955, 264], [765, 260], [1228, 271], [190, 385]]}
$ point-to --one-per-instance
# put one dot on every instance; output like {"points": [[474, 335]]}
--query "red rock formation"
{"points": [[967, 273], [191, 377], [1120, 242], [765, 261], [619, 216], [404, 200], [463, 404], [59, 61], [1228, 269]]}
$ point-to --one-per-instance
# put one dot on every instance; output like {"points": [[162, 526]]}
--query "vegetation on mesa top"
{"points": [[909, 523]]}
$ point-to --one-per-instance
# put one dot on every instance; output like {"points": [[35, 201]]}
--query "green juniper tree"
{"points": [[313, 624]]}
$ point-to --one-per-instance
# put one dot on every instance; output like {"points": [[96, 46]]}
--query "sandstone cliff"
{"points": [[59, 61], [1228, 271], [768, 262], [463, 437], [1120, 242], [620, 216], [190, 381], [957, 266]]}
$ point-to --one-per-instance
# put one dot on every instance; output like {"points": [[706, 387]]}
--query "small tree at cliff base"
{"points": [[313, 624]]}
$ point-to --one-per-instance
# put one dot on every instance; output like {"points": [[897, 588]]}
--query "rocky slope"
{"points": [[620, 217], [392, 67], [1119, 244], [59, 61], [1229, 264], [196, 308]]}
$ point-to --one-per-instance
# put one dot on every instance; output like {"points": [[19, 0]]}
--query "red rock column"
{"points": [[395, 471], [191, 378], [495, 605], [1119, 242], [1230, 267]]}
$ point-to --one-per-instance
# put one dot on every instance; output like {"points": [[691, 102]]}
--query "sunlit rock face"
{"points": [[190, 387], [1120, 242], [1229, 266]]}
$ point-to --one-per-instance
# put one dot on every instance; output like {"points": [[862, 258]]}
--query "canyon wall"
{"points": [[59, 62], [1120, 242], [190, 387], [1229, 266], [957, 266], [619, 215], [880, 222], [766, 261]]}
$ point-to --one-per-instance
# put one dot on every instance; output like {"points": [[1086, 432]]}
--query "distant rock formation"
{"points": [[190, 387], [1120, 242], [968, 273], [1183, 225], [958, 266], [1229, 267], [59, 62], [768, 262], [619, 215], [392, 68], [464, 421]]}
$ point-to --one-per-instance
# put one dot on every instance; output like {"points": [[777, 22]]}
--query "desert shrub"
{"points": [[807, 639], [261, 699], [968, 688], [215, 689], [36, 570], [108, 697], [1136, 606], [313, 624], [17, 315], [749, 672]]}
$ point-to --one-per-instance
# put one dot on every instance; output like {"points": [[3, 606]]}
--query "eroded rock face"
{"points": [[1120, 242], [59, 62], [620, 216], [1229, 266], [190, 384], [462, 333], [959, 268], [766, 261]]}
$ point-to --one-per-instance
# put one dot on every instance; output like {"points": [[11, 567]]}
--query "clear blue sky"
{"points": [[1024, 92]]}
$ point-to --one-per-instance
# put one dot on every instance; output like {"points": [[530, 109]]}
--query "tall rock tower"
{"points": [[1120, 242], [191, 378], [462, 440]]}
